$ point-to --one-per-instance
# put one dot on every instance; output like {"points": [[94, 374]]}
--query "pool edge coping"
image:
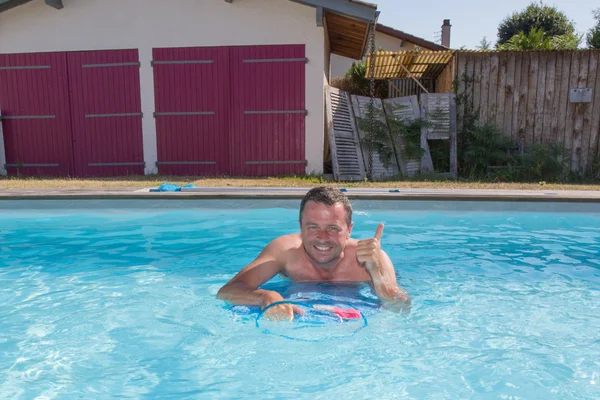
{"points": [[298, 193]]}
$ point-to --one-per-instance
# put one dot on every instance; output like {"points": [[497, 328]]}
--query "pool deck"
{"points": [[297, 193]]}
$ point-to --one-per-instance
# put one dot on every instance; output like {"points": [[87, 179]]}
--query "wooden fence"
{"points": [[527, 95], [444, 82]]}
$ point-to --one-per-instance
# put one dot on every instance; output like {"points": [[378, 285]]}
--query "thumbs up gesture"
{"points": [[368, 251]]}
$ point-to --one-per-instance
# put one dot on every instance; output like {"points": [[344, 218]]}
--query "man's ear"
{"points": [[350, 228]]}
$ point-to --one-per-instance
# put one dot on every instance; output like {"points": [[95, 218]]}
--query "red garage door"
{"points": [[230, 110], [268, 110], [192, 98], [34, 101], [106, 112], [72, 114]]}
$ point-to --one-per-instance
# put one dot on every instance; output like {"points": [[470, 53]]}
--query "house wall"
{"points": [[339, 64], [144, 24]]}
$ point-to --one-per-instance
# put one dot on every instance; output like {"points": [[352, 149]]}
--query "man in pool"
{"points": [[321, 252]]}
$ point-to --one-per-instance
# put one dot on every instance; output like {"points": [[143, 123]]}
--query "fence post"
{"points": [[2, 151]]}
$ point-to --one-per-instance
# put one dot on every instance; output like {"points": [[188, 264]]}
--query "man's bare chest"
{"points": [[301, 270]]}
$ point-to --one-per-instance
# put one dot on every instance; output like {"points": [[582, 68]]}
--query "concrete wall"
{"points": [[339, 64], [144, 24]]}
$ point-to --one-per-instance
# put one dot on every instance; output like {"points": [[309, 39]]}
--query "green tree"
{"points": [[484, 44], [535, 16], [593, 36], [537, 39]]}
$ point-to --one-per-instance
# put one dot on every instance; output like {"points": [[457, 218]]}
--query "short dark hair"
{"points": [[329, 196]]}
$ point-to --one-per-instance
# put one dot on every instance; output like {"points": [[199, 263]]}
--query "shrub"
{"points": [[355, 82]]}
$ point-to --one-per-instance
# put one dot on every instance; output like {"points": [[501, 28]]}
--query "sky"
{"points": [[471, 20]]}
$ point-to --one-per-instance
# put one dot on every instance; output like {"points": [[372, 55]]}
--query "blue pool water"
{"points": [[117, 299]]}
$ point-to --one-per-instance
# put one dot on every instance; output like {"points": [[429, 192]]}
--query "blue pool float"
{"points": [[171, 187]]}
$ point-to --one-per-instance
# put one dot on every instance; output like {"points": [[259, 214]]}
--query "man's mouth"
{"points": [[323, 248]]}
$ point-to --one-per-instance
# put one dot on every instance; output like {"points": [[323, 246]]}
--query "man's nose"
{"points": [[322, 234]]}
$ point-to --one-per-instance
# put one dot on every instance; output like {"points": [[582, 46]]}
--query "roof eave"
{"points": [[358, 16], [12, 4], [355, 9], [426, 44], [58, 4]]}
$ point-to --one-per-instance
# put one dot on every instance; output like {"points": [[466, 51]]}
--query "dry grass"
{"points": [[155, 181]]}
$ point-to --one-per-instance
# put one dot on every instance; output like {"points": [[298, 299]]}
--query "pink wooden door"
{"points": [[192, 100], [34, 102], [268, 110], [106, 112]]}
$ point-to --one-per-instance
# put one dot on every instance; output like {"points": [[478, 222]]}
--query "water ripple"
{"points": [[104, 305]]}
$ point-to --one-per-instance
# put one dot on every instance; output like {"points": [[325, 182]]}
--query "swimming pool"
{"points": [[100, 299]]}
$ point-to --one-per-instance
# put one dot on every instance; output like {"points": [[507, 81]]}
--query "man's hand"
{"points": [[381, 269], [281, 312], [368, 251]]}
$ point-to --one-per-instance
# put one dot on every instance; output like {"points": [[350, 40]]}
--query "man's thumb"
{"points": [[379, 232]]}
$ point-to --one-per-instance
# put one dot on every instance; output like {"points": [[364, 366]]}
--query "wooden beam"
{"points": [[400, 92], [410, 75], [345, 35], [342, 48], [366, 37], [348, 44], [344, 53], [348, 25]]}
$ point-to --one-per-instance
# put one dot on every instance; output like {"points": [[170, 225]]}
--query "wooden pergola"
{"points": [[437, 108], [413, 64]]}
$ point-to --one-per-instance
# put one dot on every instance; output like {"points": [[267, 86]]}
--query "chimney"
{"points": [[446, 33]]}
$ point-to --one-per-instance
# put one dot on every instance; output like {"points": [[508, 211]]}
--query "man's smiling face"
{"points": [[324, 230]]}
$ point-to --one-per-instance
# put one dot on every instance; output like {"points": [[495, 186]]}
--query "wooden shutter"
{"points": [[440, 110], [436, 108], [360, 106], [405, 109], [346, 157]]}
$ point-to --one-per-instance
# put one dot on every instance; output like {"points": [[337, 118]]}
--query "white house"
{"points": [[113, 87]]}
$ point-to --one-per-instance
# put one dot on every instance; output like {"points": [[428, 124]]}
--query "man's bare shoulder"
{"points": [[284, 243]]}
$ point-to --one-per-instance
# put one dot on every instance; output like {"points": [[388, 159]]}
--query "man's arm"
{"points": [[242, 289], [380, 267], [385, 284]]}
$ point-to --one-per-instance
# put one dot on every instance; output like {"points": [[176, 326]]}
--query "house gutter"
{"points": [[353, 9], [58, 4], [12, 4]]}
